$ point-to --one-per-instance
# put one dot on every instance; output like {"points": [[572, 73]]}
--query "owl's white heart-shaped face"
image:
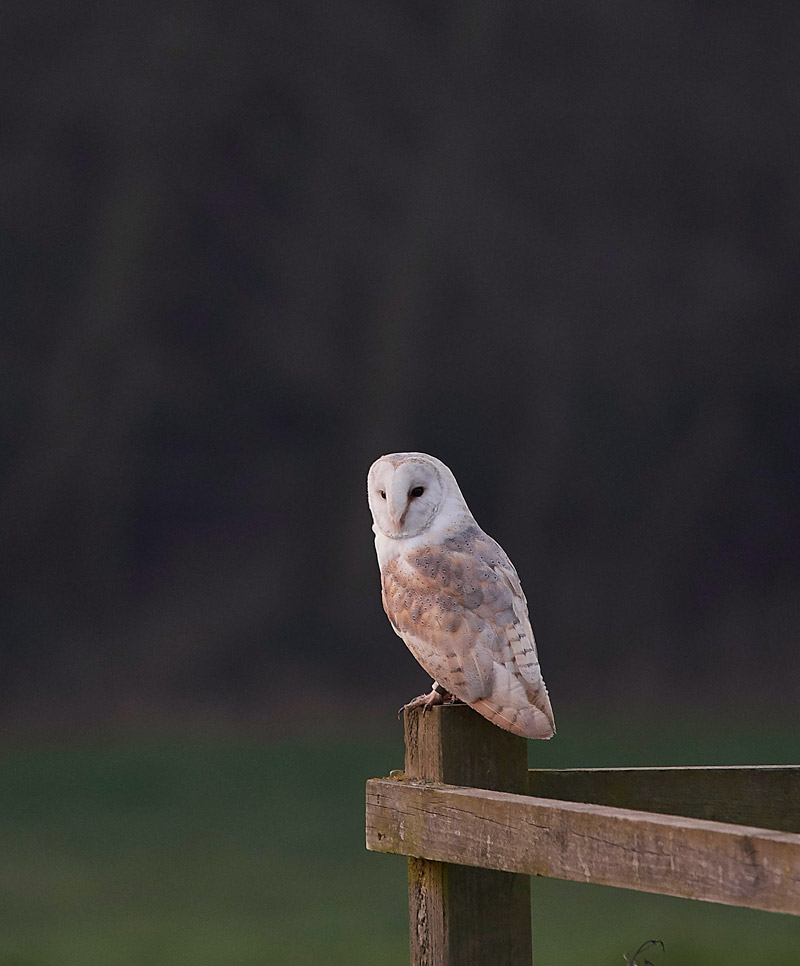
{"points": [[406, 491]]}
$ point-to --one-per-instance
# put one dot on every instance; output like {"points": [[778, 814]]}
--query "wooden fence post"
{"points": [[460, 915]]}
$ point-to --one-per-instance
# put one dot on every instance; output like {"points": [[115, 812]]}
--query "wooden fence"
{"points": [[475, 823]]}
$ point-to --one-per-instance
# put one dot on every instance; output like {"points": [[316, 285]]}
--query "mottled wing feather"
{"points": [[461, 611]]}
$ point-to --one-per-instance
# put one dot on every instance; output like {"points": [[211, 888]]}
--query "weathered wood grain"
{"points": [[455, 745], [668, 854], [460, 915], [767, 796]]}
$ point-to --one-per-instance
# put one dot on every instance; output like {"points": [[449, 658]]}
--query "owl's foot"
{"points": [[438, 695]]}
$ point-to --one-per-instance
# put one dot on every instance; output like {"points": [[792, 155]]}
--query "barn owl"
{"points": [[454, 597]]}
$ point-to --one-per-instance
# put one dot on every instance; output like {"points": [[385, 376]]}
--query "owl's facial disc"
{"points": [[404, 496]]}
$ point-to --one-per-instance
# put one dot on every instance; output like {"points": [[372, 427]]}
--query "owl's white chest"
{"points": [[389, 548]]}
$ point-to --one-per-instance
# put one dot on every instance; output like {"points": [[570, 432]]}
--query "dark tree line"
{"points": [[249, 248]]}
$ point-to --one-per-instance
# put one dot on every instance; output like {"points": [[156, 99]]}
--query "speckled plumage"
{"points": [[453, 596]]}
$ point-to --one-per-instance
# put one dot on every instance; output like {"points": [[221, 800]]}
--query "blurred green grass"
{"points": [[236, 851]]}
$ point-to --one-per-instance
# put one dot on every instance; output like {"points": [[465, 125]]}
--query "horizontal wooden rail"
{"points": [[669, 854], [767, 796]]}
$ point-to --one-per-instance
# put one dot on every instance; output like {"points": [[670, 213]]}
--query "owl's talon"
{"points": [[426, 701]]}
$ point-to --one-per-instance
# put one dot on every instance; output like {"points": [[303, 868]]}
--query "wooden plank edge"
{"points": [[766, 796], [646, 851], [645, 769]]}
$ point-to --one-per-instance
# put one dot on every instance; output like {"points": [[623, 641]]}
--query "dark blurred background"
{"points": [[247, 249]]}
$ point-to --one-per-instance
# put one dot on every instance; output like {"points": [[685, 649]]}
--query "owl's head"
{"points": [[408, 491]]}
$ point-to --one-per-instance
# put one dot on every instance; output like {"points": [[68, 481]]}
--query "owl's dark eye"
{"points": [[383, 494], [417, 491]]}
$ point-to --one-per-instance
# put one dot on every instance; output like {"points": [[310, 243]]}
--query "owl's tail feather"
{"points": [[527, 721]]}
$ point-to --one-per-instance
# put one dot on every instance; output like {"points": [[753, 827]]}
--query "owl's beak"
{"points": [[398, 522]]}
